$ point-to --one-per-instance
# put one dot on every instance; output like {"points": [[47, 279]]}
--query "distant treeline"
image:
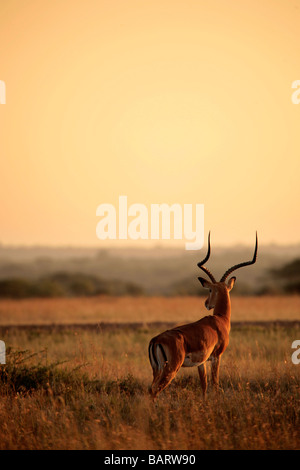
{"points": [[29, 272], [285, 280], [66, 285]]}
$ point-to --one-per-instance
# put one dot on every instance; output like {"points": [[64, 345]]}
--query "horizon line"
{"points": [[135, 246]]}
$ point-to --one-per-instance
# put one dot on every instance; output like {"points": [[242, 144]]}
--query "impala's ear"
{"points": [[206, 284], [231, 282]]}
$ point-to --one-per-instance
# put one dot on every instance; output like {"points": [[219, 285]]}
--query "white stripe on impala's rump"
{"points": [[161, 356], [153, 362], [157, 356]]}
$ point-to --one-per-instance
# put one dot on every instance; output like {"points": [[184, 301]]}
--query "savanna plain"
{"points": [[77, 375]]}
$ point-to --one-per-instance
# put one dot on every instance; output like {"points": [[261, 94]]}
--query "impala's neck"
{"points": [[223, 306]]}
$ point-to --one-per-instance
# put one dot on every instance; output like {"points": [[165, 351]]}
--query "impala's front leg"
{"points": [[215, 366], [203, 377]]}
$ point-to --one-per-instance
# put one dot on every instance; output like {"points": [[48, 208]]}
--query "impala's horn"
{"points": [[241, 265], [200, 264]]}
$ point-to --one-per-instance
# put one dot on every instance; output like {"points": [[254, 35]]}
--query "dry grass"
{"points": [[143, 309], [98, 398]]}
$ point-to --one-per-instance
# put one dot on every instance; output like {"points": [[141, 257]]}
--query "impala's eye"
{"points": [[210, 291]]}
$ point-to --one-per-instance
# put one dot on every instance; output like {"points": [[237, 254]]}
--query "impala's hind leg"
{"points": [[164, 379], [158, 360], [166, 376], [164, 369], [203, 377]]}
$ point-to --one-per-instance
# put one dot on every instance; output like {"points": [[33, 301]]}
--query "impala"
{"points": [[196, 343]]}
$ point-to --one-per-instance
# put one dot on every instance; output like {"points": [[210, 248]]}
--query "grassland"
{"points": [[141, 309], [88, 389]]}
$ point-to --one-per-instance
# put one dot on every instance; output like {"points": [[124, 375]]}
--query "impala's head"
{"points": [[222, 286], [214, 289]]}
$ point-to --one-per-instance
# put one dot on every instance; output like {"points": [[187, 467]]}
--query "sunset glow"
{"points": [[161, 101]]}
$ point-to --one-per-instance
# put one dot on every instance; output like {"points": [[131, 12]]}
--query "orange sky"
{"points": [[163, 101]]}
